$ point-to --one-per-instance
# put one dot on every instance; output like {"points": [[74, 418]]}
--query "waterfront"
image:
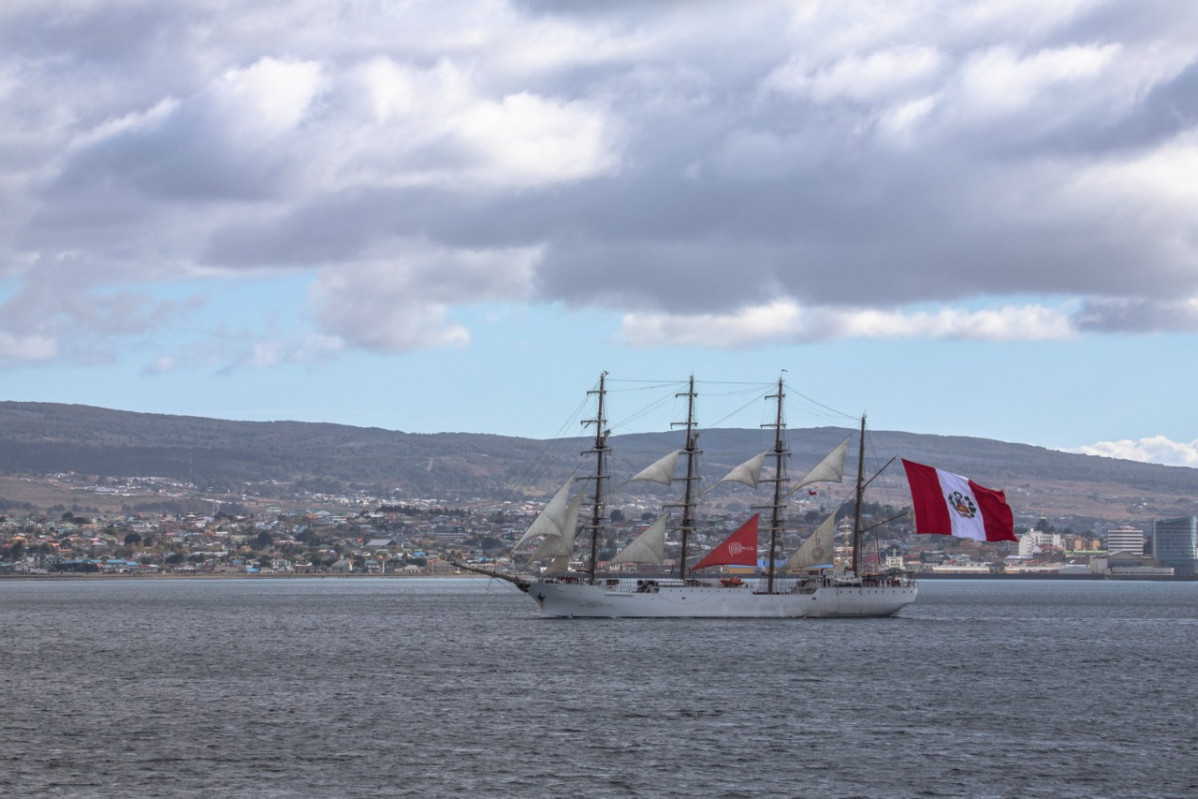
{"points": [[377, 687]]}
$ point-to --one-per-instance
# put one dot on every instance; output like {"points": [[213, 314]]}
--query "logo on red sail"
{"points": [[738, 549]]}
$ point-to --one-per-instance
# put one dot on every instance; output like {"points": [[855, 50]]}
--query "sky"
{"points": [[963, 218]]}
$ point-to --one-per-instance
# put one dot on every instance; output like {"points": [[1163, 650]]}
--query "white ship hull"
{"points": [[664, 599]]}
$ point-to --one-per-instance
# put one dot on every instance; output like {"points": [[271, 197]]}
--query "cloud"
{"points": [[785, 173], [1000, 82], [870, 78], [161, 365], [1139, 316], [264, 353], [403, 302], [397, 124], [19, 350], [1154, 449], [786, 322], [268, 99], [227, 351], [61, 312]]}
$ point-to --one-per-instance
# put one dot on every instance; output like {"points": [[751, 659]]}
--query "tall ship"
{"points": [[808, 584]]}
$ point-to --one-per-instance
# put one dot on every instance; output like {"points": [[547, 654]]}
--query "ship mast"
{"points": [[692, 452], [857, 505], [780, 453], [600, 450]]}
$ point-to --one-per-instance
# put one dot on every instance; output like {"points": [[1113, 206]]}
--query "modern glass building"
{"points": [[1175, 543]]}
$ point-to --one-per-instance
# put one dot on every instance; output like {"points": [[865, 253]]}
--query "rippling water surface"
{"points": [[457, 687]]}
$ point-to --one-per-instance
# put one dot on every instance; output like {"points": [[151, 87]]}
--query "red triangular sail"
{"points": [[739, 549]]}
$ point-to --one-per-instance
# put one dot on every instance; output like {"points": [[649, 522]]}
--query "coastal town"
{"points": [[365, 535]]}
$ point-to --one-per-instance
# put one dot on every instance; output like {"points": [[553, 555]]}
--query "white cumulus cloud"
{"points": [[785, 321], [787, 173], [26, 349], [403, 302], [1154, 449]]}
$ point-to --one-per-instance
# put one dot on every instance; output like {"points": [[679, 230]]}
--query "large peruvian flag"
{"points": [[738, 549], [949, 504]]}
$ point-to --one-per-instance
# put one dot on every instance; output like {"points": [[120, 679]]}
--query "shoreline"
{"points": [[1033, 576], [235, 576], [475, 576]]}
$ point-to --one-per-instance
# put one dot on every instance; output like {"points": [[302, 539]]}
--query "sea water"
{"points": [[375, 687]]}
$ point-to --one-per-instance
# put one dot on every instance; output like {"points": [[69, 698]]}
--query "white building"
{"points": [[1125, 539], [1033, 542]]}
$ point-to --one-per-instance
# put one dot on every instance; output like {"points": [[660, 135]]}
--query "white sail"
{"points": [[570, 525], [816, 550], [560, 565], [748, 472], [561, 545], [551, 547], [662, 471], [648, 547], [552, 520], [829, 470]]}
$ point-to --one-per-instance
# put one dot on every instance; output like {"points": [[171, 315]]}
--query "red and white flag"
{"points": [[949, 504], [738, 549]]}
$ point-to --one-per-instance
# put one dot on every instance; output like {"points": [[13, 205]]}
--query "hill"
{"points": [[40, 443]]}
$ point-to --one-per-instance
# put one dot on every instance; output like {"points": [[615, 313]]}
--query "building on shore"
{"points": [[1125, 564], [1175, 543], [1125, 539]]}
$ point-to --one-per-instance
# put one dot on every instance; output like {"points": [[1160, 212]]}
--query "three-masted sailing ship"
{"points": [[804, 586]]}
